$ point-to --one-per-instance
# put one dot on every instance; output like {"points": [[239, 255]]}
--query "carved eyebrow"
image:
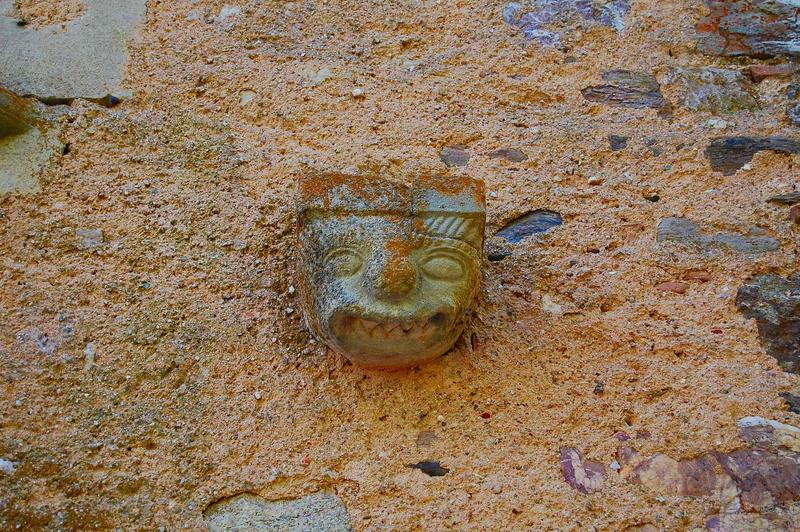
{"points": [[449, 225]]}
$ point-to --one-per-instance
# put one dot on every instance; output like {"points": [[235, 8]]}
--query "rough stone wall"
{"points": [[153, 361]]}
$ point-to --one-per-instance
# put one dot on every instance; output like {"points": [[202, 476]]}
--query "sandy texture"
{"points": [[40, 13], [153, 361]]}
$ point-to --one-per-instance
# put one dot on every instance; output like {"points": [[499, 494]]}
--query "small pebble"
{"points": [[7, 466], [716, 123], [258, 396], [291, 289], [358, 93]]}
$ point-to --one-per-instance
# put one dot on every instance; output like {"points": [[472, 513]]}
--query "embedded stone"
{"points": [[700, 477], [715, 90], [684, 231], [84, 58], [759, 73], [536, 19], [768, 433], [754, 28], [617, 142], [729, 154], [538, 221], [509, 154], [790, 198], [764, 477], [625, 88], [581, 474], [793, 114], [774, 302], [430, 468], [454, 156], [389, 270], [320, 511]]}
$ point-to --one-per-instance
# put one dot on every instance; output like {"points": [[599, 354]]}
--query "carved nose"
{"points": [[398, 278]]}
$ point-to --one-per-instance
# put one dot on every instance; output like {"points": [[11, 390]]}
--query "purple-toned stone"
{"points": [[581, 474], [764, 478], [540, 20]]}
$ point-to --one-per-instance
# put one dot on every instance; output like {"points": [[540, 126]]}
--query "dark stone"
{"points": [[509, 154], [684, 231], [430, 468], [581, 474], [774, 302], [793, 401], [793, 114], [531, 223], [454, 156], [531, 18], [786, 199], [754, 28], [625, 88], [498, 256], [617, 142], [729, 154]]}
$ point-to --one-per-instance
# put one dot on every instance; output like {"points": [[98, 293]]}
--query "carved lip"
{"points": [[412, 329]]}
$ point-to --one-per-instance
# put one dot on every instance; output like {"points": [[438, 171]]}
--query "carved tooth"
{"points": [[369, 325], [408, 325]]}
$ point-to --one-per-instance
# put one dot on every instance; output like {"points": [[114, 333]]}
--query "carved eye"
{"points": [[443, 266], [345, 262]]}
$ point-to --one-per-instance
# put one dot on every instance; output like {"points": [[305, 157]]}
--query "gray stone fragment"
{"points": [[729, 154], [84, 59], [312, 513], [715, 90], [617, 142], [685, 231], [626, 88], [509, 154], [89, 238], [454, 156], [774, 302], [754, 28], [793, 114], [786, 199]]}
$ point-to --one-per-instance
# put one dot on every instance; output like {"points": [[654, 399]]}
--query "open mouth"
{"points": [[419, 329]]}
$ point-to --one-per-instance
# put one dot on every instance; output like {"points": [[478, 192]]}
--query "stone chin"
{"points": [[393, 342]]}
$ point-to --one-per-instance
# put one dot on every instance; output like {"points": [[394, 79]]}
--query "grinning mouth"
{"points": [[420, 329]]}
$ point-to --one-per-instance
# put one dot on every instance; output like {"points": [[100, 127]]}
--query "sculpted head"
{"points": [[389, 271]]}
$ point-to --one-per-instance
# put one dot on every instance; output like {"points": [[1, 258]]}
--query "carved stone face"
{"points": [[389, 272]]}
